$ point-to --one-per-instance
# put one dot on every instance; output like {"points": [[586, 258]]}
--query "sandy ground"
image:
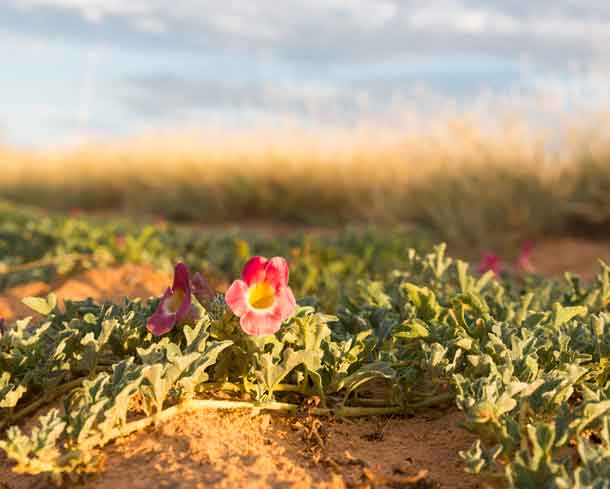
{"points": [[225, 450], [554, 257], [100, 284]]}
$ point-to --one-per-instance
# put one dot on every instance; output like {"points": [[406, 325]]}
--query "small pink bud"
{"points": [[160, 220], [490, 262], [523, 262]]}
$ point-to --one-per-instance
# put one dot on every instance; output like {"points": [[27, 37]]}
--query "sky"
{"points": [[78, 69]]}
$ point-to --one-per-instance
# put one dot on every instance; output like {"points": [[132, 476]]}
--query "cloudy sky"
{"points": [[100, 68]]}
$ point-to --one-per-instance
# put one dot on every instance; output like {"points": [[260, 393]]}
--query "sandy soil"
{"points": [[100, 284], [556, 256], [225, 450]]}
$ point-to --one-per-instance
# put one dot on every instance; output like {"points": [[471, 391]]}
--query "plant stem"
{"points": [[287, 388], [363, 401], [408, 363], [44, 262], [41, 401], [200, 404], [427, 402], [431, 401], [229, 386], [219, 386]]}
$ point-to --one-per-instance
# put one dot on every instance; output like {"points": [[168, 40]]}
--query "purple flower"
{"points": [[175, 307]]}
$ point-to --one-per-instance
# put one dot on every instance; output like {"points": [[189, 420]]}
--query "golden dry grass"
{"points": [[466, 179]]}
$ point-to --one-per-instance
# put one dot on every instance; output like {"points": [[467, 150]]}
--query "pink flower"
{"points": [[490, 261], [523, 263], [262, 299], [160, 220], [175, 307]]}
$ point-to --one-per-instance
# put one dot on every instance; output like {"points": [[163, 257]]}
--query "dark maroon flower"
{"points": [[175, 307]]}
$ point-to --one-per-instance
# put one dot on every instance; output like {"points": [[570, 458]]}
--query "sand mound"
{"points": [[99, 283], [229, 450]]}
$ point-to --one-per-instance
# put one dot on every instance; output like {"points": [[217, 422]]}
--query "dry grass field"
{"points": [[466, 180]]}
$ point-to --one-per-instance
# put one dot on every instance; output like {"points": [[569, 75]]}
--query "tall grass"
{"points": [[465, 179]]}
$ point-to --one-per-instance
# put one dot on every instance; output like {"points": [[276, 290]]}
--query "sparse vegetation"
{"points": [[526, 362], [385, 323]]}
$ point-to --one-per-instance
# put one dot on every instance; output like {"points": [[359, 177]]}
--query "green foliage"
{"points": [[40, 305], [35, 247], [528, 362]]}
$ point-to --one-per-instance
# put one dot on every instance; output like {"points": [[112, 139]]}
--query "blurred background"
{"points": [[482, 122]]}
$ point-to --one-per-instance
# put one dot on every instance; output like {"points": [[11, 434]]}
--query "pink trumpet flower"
{"points": [[175, 307], [490, 261], [523, 263], [262, 299]]}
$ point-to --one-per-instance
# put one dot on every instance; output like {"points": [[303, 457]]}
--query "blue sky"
{"points": [[76, 69]]}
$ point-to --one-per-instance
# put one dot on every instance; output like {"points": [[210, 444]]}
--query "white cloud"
{"points": [[299, 22], [150, 24], [96, 10], [192, 56]]}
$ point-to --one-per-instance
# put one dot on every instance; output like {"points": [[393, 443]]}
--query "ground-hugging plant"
{"points": [[527, 362], [47, 247]]}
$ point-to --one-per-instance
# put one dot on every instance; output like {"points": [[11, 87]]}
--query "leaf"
{"points": [[378, 370], [270, 374], [424, 301], [416, 329], [591, 412], [562, 315], [40, 305], [478, 460], [9, 393], [195, 374]]}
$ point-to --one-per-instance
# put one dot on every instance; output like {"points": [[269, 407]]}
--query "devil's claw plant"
{"points": [[527, 361]]}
